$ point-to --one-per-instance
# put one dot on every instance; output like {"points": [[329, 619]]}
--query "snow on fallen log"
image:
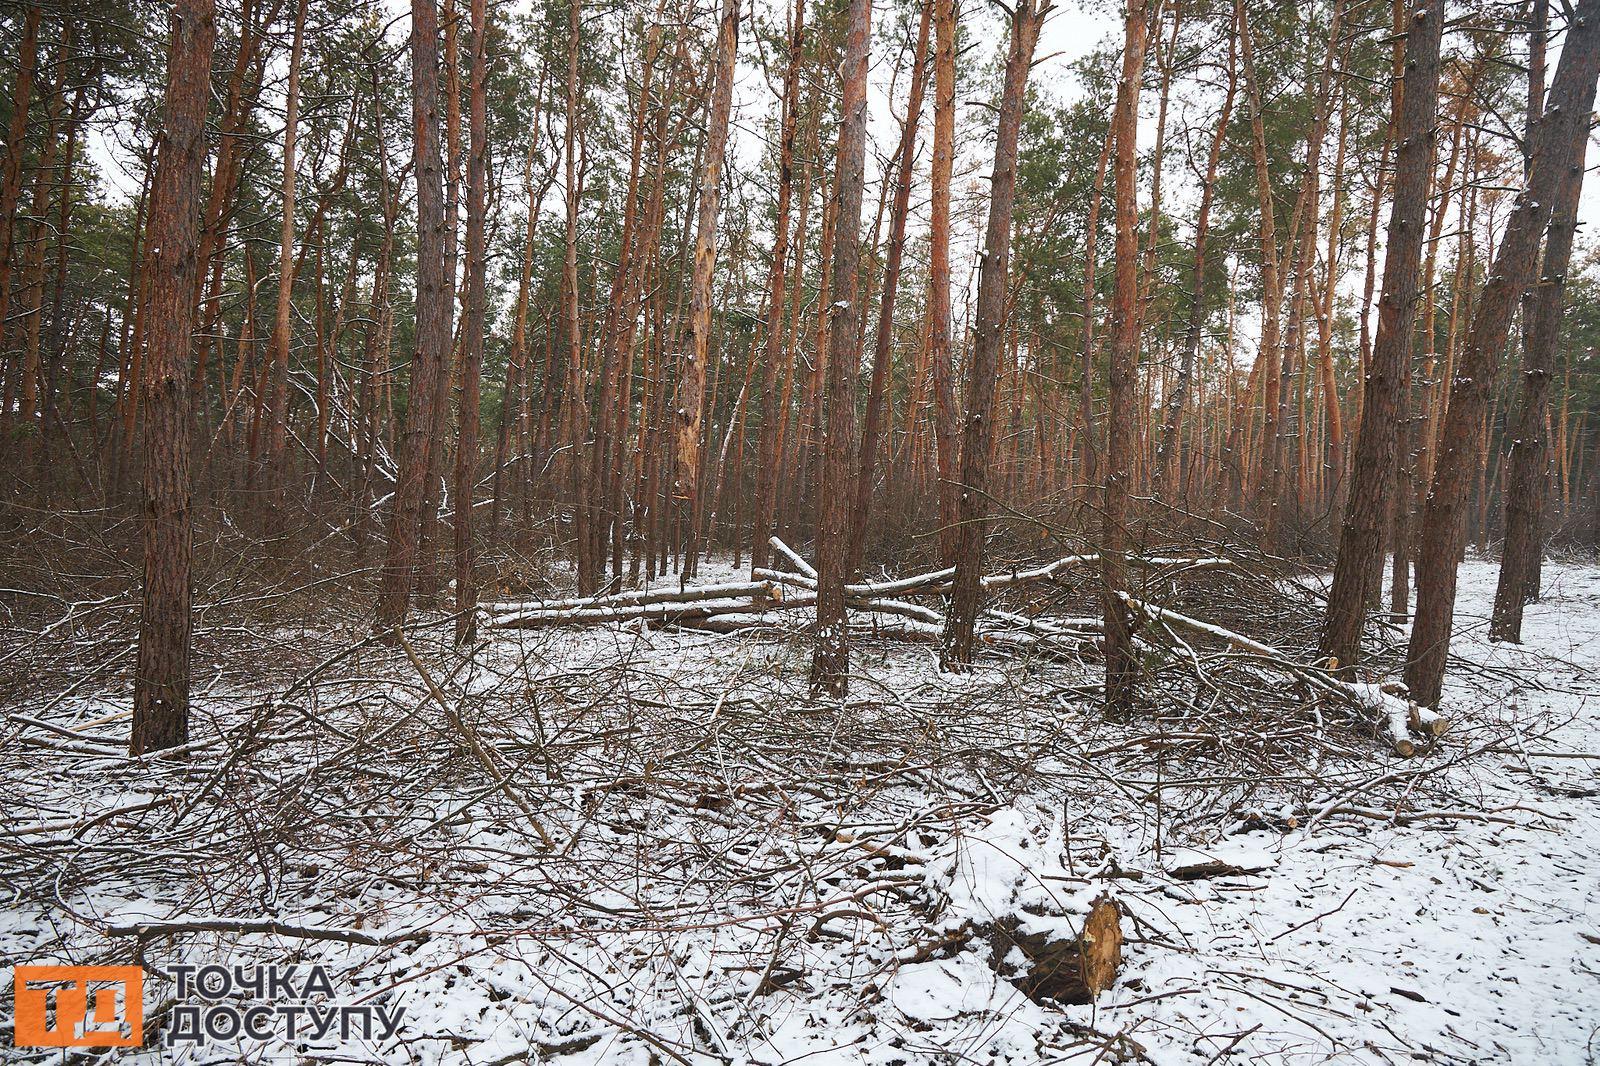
{"points": [[774, 591], [696, 610], [793, 556], [940, 580], [916, 583], [643, 597], [910, 630], [601, 614]]}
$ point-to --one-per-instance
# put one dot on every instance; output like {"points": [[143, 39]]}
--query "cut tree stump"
{"points": [[1070, 969]]}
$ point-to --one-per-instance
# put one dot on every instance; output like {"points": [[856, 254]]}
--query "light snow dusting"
{"points": [[738, 874]]}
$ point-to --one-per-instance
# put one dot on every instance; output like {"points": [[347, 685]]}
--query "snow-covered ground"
{"points": [[1473, 938], [735, 874]]}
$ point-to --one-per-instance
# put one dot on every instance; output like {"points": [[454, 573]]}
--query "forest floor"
{"points": [[618, 844]]}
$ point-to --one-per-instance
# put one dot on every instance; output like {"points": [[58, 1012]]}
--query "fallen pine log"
{"points": [[938, 581], [908, 629], [681, 603], [1174, 565], [692, 604], [642, 597], [674, 611], [1055, 640]]}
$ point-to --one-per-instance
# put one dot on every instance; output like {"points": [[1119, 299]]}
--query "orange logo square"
{"points": [[78, 1006]]}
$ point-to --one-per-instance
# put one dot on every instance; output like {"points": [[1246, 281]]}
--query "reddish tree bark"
{"points": [[830, 656], [11, 171], [375, 341], [1333, 451], [1300, 246], [940, 359], [161, 678], [574, 419], [278, 389], [769, 441], [244, 87], [1088, 450], [27, 371], [519, 374], [602, 502], [1268, 356], [427, 581], [977, 436], [692, 385], [1197, 286]]}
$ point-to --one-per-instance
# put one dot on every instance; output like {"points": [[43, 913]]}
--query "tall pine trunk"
{"points": [[1194, 331], [427, 576], [161, 679], [689, 416], [11, 175], [871, 429], [278, 387], [830, 657], [433, 324], [1558, 141], [940, 357], [472, 326], [1360, 558], [1122, 665], [1267, 357], [777, 352], [977, 431], [1528, 473]]}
